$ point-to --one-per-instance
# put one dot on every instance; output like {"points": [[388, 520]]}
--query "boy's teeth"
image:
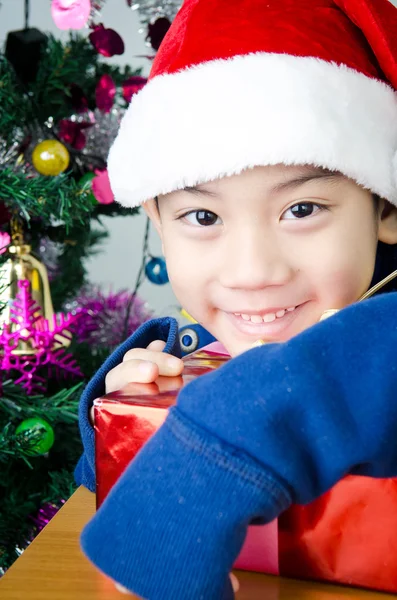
{"points": [[256, 319], [268, 318]]}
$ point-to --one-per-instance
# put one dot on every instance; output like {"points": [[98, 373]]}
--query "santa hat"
{"points": [[242, 83]]}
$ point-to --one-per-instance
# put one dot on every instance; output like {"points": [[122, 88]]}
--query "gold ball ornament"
{"points": [[50, 158]]}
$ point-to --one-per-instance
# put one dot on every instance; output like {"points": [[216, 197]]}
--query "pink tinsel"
{"points": [[105, 316]]}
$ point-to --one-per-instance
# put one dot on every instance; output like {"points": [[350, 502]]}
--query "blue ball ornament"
{"points": [[156, 270]]}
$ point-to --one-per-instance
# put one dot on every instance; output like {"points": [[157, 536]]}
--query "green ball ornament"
{"points": [[46, 439]]}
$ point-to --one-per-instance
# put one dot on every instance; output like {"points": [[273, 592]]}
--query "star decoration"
{"points": [[30, 342]]}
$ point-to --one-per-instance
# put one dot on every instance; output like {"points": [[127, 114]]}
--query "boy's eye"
{"points": [[204, 218], [301, 210]]}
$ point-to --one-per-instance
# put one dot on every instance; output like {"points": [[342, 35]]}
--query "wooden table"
{"points": [[54, 568]]}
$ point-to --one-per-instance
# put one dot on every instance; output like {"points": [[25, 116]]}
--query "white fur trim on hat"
{"points": [[221, 117]]}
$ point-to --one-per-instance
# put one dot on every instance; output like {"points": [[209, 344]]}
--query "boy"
{"points": [[264, 150]]}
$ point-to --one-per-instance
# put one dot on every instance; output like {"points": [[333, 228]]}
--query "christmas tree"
{"points": [[60, 108]]}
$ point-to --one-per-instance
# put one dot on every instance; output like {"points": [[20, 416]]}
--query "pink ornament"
{"points": [[132, 86], [104, 93], [106, 41], [30, 326], [101, 187], [5, 241], [70, 14]]}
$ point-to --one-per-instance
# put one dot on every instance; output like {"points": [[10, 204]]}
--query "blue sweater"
{"points": [[278, 424]]}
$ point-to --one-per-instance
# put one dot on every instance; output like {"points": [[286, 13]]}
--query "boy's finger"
{"points": [[131, 371], [157, 346], [235, 582], [168, 365]]}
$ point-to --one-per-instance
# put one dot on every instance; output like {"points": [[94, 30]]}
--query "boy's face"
{"points": [[263, 254]]}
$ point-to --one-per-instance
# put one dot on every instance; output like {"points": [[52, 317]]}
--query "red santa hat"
{"points": [[242, 83]]}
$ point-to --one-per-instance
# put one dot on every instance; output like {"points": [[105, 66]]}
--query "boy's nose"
{"points": [[256, 262]]}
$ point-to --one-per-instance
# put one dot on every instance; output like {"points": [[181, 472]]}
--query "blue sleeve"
{"points": [[281, 423], [165, 329]]}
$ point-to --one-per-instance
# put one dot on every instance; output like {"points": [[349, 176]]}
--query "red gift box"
{"points": [[348, 535]]}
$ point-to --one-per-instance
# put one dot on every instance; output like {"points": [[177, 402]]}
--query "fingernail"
{"points": [[173, 362]]}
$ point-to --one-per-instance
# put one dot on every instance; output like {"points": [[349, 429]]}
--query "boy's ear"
{"points": [[387, 231], [151, 209]]}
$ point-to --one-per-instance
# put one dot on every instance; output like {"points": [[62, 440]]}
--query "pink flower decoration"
{"points": [[132, 86], [101, 187], [70, 14], [106, 41], [5, 241], [104, 93]]}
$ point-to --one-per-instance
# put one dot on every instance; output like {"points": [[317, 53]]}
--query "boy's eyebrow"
{"points": [[310, 175], [199, 191], [305, 177]]}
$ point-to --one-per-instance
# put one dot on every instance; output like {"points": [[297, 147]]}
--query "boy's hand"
{"points": [[142, 365]]}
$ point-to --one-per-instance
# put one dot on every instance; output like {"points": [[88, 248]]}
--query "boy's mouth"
{"points": [[270, 325], [265, 317]]}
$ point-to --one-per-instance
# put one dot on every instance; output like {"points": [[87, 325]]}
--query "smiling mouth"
{"points": [[266, 317]]}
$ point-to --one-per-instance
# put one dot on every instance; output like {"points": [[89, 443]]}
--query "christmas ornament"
{"points": [[72, 132], [108, 317], [103, 132], [96, 9], [5, 241], [156, 270], [21, 265], [30, 342], [9, 153], [101, 187], [43, 517], [43, 435], [157, 30], [151, 10], [70, 14], [104, 93], [132, 86], [50, 158], [106, 41], [24, 49]]}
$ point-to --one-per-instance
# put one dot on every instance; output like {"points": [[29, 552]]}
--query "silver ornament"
{"points": [[151, 10]]}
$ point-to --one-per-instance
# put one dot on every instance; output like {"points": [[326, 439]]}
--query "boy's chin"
{"points": [[236, 347]]}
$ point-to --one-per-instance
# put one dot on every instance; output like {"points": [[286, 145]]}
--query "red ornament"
{"points": [[106, 41], [132, 86], [71, 132], [104, 93]]}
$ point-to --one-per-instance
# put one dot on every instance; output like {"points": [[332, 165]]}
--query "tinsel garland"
{"points": [[109, 318]]}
